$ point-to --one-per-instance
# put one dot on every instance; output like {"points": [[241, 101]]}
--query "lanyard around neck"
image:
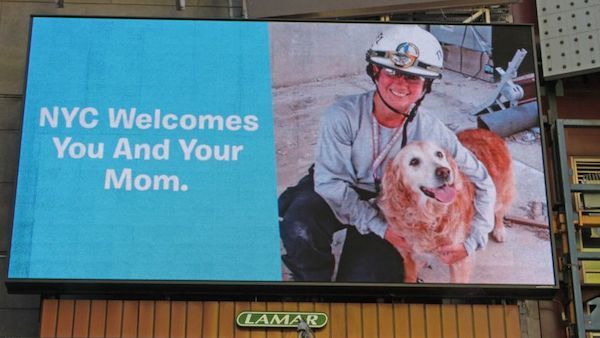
{"points": [[379, 157]]}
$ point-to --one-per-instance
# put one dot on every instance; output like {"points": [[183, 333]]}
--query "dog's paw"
{"points": [[499, 234]]}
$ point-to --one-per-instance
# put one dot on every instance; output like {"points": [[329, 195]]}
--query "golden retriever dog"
{"points": [[427, 201]]}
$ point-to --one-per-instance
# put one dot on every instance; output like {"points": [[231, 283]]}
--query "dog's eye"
{"points": [[439, 154], [414, 162]]}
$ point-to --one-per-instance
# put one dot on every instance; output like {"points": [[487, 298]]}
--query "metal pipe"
{"points": [[474, 16], [506, 122], [488, 15]]}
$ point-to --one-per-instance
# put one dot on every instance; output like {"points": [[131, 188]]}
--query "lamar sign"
{"points": [[281, 319]]}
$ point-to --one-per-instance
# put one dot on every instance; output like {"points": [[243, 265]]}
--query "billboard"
{"points": [[244, 152]]}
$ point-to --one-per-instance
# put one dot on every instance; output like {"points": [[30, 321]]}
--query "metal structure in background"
{"points": [[483, 11], [581, 322], [478, 38], [507, 92], [236, 7], [409, 10], [497, 14], [569, 33]]}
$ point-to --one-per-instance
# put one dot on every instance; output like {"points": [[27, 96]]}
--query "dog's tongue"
{"points": [[444, 194]]}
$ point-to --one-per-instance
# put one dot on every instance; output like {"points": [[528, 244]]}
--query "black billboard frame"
{"points": [[327, 291]]}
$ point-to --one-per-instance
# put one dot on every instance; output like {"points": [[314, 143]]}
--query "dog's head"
{"points": [[424, 170]]}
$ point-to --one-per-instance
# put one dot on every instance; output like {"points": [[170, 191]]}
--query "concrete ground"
{"points": [[525, 257]]}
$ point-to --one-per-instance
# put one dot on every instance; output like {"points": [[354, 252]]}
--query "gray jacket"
{"points": [[344, 159]]}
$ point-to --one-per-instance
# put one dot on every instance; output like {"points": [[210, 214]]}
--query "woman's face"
{"points": [[398, 90]]}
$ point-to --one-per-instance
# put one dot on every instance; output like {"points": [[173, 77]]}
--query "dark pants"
{"points": [[307, 226]]}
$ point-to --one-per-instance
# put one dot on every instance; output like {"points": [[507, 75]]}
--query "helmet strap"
{"points": [[411, 116], [387, 104], [413, 112]]}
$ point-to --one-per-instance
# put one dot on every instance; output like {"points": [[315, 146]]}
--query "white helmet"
{"points": [[408, 49]]}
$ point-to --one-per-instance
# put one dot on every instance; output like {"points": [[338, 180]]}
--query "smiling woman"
{"points": [[396, 94]]}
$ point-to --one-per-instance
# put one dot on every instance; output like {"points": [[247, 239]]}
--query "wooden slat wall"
{"points": [[117, 318]]}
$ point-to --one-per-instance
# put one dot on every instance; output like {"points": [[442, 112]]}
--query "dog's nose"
{"points": [[443, 173]]}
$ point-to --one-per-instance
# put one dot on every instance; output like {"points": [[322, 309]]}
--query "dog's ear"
{"points": [[394, 189], [391, 180], [458, 181], [388, 200]]}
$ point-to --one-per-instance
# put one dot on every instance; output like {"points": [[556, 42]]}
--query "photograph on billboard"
{"points": [[279, 152]]}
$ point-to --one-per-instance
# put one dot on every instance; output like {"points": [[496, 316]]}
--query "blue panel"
{"points": [[202, 85]]}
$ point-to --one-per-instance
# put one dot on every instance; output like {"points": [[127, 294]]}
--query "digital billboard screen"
{"points": [[245, 152]]}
